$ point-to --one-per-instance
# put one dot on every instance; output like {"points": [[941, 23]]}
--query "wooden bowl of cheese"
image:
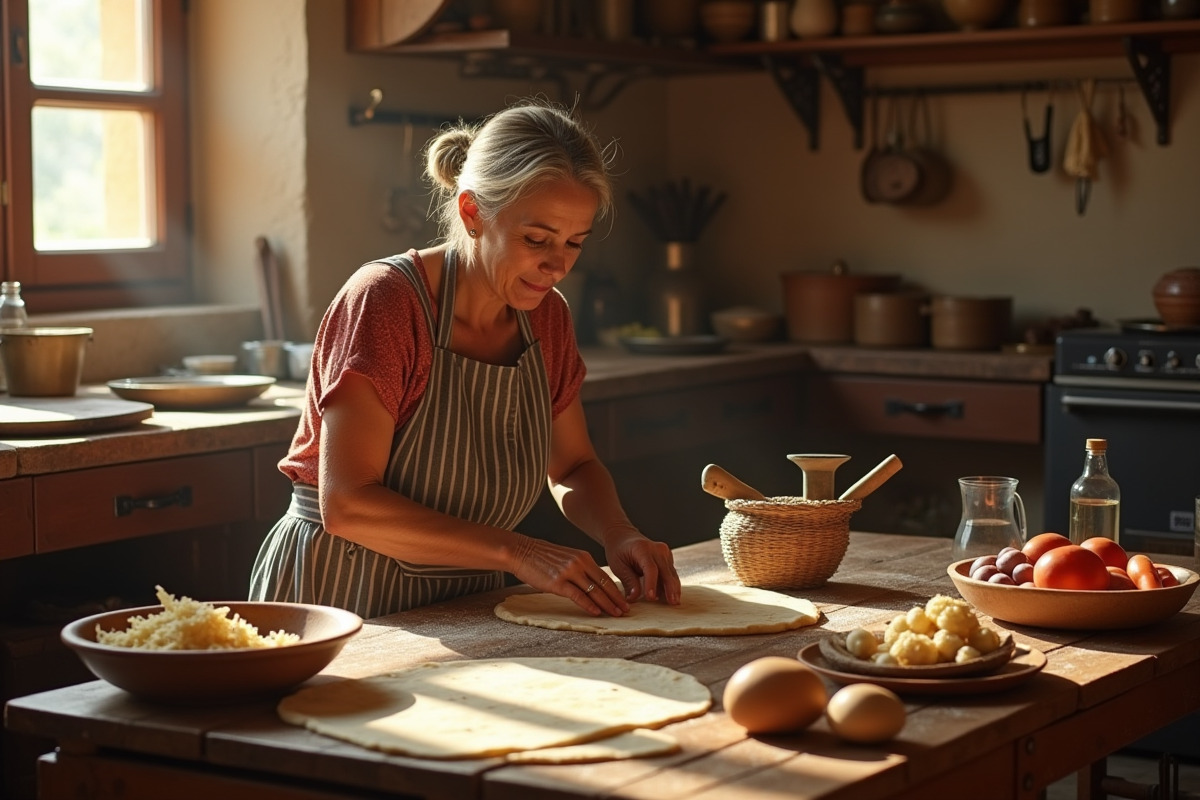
{"points": [[261, 648]]}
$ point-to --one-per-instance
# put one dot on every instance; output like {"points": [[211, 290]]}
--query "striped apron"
{"points": [[476, 448]]}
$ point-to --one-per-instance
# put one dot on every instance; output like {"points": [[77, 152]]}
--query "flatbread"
{"points": [[491, 707], [632, 744], [716, 610]]}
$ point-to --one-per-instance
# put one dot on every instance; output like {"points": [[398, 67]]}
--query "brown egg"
{"points": [[774, 694], [864, 712]]}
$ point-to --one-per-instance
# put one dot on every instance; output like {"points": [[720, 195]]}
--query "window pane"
{"points": [[89, 44], [90, 181]]}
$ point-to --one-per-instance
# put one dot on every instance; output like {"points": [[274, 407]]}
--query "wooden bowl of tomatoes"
{"points": [[1075, 609]]}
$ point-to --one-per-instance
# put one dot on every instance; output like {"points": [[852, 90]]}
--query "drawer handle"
{"points": [[126, 505], [951, 408]]}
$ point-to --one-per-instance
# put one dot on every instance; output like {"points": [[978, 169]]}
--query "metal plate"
{"points": [[674, 345], [193, 392]]}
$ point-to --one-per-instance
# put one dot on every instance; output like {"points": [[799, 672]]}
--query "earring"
{"points": [[472, 233]]}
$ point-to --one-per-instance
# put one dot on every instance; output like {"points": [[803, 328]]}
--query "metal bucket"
{"points": [[43, 362]]}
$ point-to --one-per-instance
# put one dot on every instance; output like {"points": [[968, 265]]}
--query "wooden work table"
{"points": [[1098, 692]]}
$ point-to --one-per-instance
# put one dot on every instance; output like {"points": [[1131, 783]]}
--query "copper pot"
{"points": [[819, 306], [970, 323], [891, 319]]}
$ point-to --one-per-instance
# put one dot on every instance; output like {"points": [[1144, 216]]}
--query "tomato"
{"points": [[1142, 572], [1070, 566], [1119, 579], [1036, 547], [1166, 576], [1109, 551]]}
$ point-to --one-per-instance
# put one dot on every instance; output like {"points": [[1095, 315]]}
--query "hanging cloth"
{"points": [[1086, 145]]}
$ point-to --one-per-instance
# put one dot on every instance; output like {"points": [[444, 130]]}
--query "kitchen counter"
{"points": [[1008, 744], [612, 374]]}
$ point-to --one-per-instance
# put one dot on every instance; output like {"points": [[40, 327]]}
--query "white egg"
{"points": [[864, 712]]}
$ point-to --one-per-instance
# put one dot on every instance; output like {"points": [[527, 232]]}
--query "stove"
{"points": [[1138, 386], [1137, 355]]}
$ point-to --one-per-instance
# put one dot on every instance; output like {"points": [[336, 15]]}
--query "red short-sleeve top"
{"points": [[376, 327]]}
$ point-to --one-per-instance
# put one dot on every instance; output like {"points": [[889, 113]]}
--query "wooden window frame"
{"points": [[89, 279]]}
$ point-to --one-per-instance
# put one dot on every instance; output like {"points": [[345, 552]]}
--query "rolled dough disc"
{"points": [[716, 610], [491, 707], [631, 744]]}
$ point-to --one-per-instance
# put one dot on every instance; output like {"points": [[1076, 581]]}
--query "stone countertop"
{"points": [[612, 373]]}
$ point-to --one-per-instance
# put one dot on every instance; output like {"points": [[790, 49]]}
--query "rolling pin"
{"points": [[716, 481], [873, 479]]}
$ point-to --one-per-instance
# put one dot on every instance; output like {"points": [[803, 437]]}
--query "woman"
{"points": [[444, 391]]}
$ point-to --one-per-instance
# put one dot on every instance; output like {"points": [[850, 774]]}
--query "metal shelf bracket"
{"points": [[848, 83], [801, 87], [1152, 68]]}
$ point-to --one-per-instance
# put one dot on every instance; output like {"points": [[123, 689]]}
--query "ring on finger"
{"points": [[591, 587]]}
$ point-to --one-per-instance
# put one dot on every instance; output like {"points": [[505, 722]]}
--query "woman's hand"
{"points": [[646, 568], [569, 573]]}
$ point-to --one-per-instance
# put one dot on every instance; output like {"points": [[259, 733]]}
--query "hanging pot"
{"points": [[890, 175], [934, 175]]}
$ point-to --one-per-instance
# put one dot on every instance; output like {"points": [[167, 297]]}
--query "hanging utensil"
{"points": [[720, 483], [1085, 147], [1039, 147]]}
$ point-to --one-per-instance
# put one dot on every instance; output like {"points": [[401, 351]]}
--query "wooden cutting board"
{"points": [[52, 416]]}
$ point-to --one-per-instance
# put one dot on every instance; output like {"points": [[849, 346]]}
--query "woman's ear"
{"points": [[468, 209]]}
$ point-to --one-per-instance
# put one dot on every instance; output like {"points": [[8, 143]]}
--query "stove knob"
{"points": [[1173, 360], [1114, 357], [1145, 359]]}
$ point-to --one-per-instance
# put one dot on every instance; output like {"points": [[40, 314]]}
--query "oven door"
{"points": [[1153, 454]]}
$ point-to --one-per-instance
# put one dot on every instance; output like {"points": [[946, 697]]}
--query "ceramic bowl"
{"points": [[746, 324], [1177, 298], [1074, 609], [195, 677], [210, 365]]}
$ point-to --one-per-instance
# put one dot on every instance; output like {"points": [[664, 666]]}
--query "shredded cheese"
{"points": [[187, 624]]}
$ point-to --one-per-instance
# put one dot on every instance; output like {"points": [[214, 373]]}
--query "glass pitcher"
{"points": [[993, 516]]}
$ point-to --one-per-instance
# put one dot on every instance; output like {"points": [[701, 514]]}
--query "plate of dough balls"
{"points": [[941, 639]]}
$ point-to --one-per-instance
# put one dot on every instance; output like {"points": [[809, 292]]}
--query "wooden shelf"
{"points": [[797, 66], [575, 53], [1000, 45]]}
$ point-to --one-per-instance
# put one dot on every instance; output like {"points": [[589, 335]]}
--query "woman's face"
{"points": [[532, 245]]}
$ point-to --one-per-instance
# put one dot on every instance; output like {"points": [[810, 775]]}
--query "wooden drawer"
{"points": [[979, 411], [668, 421], [74, 509], [16, 517]]}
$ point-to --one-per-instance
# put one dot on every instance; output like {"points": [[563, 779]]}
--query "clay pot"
{"points": [[1104, 12], [858, 19], [819, 306], [728, 20], [1043, 13], [672, 19], [891, 319], [970, 323], [974, 15], [1177, 298], [812, 19]]}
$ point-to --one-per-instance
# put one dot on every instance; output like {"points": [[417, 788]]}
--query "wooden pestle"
{"points": [[873, 479], [716, 481]]}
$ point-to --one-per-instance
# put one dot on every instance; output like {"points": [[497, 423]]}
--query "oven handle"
{"points": [[1069, 400]]}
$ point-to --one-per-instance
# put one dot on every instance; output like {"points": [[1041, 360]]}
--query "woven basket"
{"points": [[786, 542]]}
